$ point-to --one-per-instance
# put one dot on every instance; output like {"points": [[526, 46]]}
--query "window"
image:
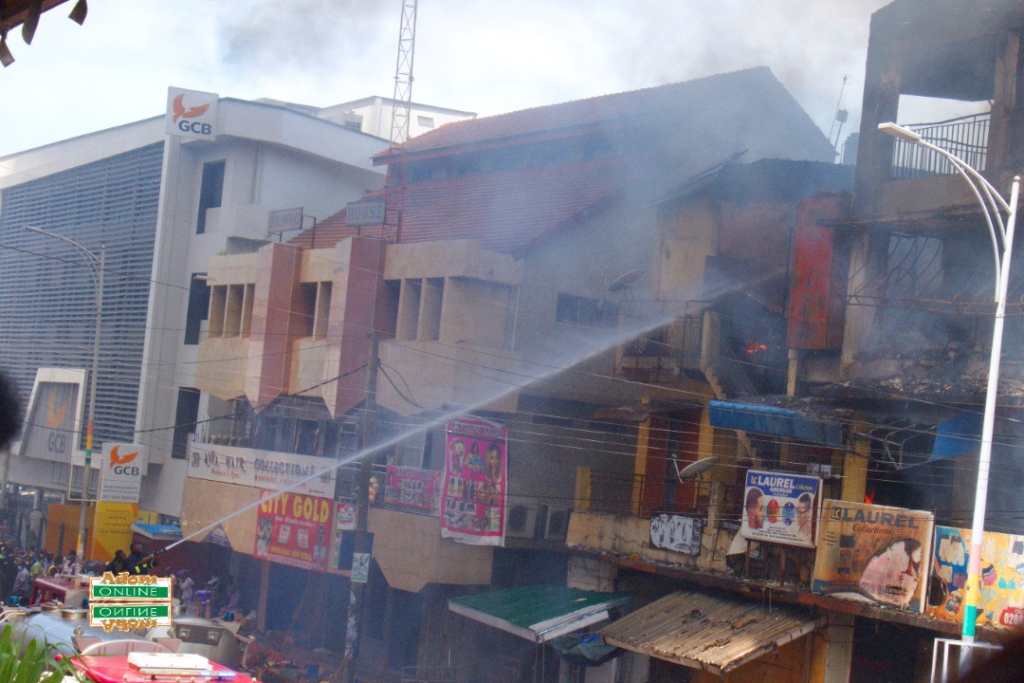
{"points": [[198, 307], [211, 191], [323, 310], [431, 298], [307, 309], [425, 121], [184, 421], [580, 310]]}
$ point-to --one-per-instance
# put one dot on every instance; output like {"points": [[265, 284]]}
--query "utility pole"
{"points": [[368, 437]]}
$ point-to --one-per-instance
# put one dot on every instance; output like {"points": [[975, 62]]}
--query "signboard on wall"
{"points": [[309, 475], [780, 507], [52, 424], [675, 532], [1002, 577], [366, 212], [191, 114], [475, 482], [294, 529], [413, 488], [874, 554], [112, 529], [121, 473]]}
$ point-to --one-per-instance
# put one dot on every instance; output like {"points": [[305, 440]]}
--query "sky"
{"points": [[485, 56]]}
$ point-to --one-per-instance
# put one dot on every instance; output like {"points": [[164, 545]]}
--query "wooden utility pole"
{"points": [[368, 437]]}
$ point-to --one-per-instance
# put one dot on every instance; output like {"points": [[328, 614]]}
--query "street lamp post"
{"points": [[993, 206], [96, 267]]}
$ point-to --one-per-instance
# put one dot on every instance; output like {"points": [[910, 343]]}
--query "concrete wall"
{"points": [[411, 553]]}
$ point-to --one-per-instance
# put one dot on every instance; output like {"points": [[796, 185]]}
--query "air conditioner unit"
{"points": [[556, 523], [521, 521]]}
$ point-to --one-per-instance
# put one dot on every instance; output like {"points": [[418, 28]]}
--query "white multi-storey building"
{"points": [[160, 206]]}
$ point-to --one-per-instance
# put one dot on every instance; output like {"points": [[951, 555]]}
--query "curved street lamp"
{"points": [[95, 264], [993, 206]]}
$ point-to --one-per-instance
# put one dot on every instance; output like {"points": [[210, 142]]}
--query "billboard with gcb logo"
{"points": [[191, 114], [121, 477]]}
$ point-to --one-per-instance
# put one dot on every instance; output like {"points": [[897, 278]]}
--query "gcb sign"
{"points": [[191, 114], [121, 473]]}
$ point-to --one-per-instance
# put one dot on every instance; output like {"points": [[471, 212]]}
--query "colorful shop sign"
{"points": [[305, 474], [874, 554], [475, 480], [780, 507], [123, 602], [1002, 577], [294, 529], [413, 488]]}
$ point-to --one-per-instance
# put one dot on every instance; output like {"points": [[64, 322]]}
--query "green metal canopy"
{"points": [[538, 613]]}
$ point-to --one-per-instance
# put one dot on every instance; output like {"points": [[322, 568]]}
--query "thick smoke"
{"points": [[312, 35]]}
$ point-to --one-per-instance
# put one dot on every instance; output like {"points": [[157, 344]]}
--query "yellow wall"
{"points": [[411, 553], [222, 365], [204, 502]]}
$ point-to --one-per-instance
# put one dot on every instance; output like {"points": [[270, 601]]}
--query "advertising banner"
{"points": [[780, 507], [1002, 577], [121, 473], [475, 480], [413, 488], [262, 469], [112, 529], [675, 532], [342, 544], [294, 529], [874, 554]]}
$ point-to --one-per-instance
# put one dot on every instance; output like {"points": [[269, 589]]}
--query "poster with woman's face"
{"points": [[874, 553], [473, 490]]}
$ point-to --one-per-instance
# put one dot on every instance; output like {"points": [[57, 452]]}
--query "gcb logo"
{"points": [[181, 114], [119, 463]]}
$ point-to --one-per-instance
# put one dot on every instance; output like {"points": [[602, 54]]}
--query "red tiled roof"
{"points": [[505, 211], [686, 126], [331, 230], [668, 100]]}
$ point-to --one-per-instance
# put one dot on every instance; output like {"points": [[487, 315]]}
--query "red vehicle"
{"points": [[67, 592], [117, 669]]}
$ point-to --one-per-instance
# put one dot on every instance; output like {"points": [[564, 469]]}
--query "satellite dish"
{"points": [[695, 469], [626, 280]]}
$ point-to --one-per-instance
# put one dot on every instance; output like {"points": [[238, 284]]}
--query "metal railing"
{"points": [[625, 494], [947, 655], [966, 137], [434, 674], [663, 353]]}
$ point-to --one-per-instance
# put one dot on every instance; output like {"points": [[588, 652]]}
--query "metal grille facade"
{"points": [[47, 295]]}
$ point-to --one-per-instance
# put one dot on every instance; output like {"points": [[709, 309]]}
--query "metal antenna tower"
{"points": [[401, 112]]}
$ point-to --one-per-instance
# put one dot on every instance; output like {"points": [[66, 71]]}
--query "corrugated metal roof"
{"points": [[538, 613], [708, 632]]}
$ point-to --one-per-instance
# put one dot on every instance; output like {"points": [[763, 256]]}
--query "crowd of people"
{"points": [[19, 567]]}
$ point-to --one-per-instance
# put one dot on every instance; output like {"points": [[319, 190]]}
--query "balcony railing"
{"points": [[626, 494], [966, 137], [663, 354]]}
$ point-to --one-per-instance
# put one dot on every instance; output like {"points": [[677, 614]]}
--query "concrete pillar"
{"points": [[855, 471], [839, 644]]}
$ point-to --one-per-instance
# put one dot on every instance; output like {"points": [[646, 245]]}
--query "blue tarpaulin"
{"points": [[956, 436], [761, 419]]}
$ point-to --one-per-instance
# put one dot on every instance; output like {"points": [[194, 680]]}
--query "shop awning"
{"points": [[158, 532], [711, 633], [765, 419], [538, 613], [956, 436]]}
